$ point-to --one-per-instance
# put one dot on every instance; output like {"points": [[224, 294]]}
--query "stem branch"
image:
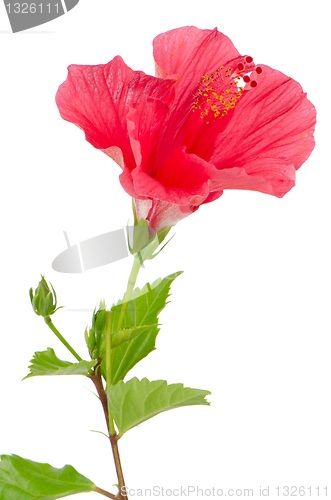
{"points": [[105, 493]]}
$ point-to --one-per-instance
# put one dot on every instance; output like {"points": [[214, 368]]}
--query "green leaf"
{"points": [[126, 334], [22, 479], [47, 363], [143, 309], [135, 401]]}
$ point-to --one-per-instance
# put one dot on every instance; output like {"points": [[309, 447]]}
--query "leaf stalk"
{"points": [[50, 324]]}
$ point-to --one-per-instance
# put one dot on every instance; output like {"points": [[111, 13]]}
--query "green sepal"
{"points": [[134, 213], [163, 234], [47, 363], [143, 243], [143, 309], [141, 236], [135, 401], [166, 243], [147, 252], [22, 479]]}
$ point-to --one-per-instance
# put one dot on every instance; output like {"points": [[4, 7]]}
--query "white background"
{"points": [[250, 317]]}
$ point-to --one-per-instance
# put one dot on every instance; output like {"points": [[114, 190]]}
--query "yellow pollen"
{"points": [[206, 98]]}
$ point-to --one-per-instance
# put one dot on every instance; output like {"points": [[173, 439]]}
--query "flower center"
{"points": [[219, 92]]}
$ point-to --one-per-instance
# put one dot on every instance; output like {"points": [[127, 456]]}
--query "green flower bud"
{"points": [[44, 299], [95, 334], [98, 319], [90, 342]]}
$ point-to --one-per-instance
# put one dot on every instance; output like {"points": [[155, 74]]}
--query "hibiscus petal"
{"points": [[143, 124], [266, 175], [214, 195], [273, 120], [183, 179], [185, 55], [97, 99], [191, 52]]}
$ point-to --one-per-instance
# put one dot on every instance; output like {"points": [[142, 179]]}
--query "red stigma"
{"points": [[249, 59], [246, 79], [258, 70], [253, 83], [240, 66]]}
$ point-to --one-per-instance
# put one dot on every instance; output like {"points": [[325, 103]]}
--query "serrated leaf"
{"points": [[47, 363], [127, 334], [135, 401], [22, 479], [143, 309]]}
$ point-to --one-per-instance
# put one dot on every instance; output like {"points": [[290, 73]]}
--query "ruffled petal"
{"points": [[184, 55], [273, 120], [190, 52], [97, 99], [266, 175]]}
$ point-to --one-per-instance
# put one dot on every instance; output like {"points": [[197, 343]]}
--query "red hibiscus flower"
{"points": [[210, 120]]}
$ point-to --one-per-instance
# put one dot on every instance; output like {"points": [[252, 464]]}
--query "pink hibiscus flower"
{"points": [[210, 120]]}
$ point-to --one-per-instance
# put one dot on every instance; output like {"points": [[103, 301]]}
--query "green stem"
{"points": [[131, 283], [112, 431], [49, 323]]}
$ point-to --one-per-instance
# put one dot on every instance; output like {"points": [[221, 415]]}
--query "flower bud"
{"points": [[94, 336], [90, 342], [44, 299]]}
